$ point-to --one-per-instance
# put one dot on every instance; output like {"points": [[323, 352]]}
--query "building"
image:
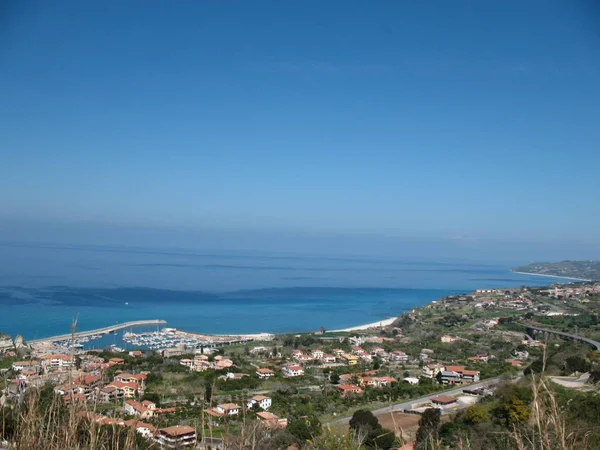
{"points": [[443, 400], [431, 370], [125, 389], [292, 371], [227, 409], [265, 373], [57, 362], [108, 394], [187, 362], [138, 378], [270, 420], [349, 389], [317, 354], [33, 365], [398, 355], [177, 436], [328, 358], [448, 339], [351, 360], [261, 400], [144, 410]]}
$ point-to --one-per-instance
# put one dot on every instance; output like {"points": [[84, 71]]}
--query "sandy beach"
{"points": [[551, 276], [378, 324]]}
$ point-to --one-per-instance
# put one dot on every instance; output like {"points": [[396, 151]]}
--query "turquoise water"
{"points": [[43, 287]]}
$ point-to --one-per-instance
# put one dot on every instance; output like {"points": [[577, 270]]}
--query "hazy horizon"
{"points": [[408, 130]]}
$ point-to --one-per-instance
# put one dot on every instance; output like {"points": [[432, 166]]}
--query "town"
{"points": [[180, 392]]}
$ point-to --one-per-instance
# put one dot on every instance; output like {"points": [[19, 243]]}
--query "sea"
{"points": [[43, 287]]}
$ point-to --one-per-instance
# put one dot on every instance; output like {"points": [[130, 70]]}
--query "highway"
{"points": [[585, 340], [105, 330], [408, 404]]}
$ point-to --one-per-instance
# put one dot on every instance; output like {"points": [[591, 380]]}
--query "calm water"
{"points": [[43, 287]]}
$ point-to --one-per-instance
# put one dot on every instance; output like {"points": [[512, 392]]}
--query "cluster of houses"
{"points": [[178, 436], [200, 363], [261, 403], [354, 383], [351, 358], [450, 374]]}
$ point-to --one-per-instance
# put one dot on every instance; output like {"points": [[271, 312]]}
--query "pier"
{"points": [[105, 330]]}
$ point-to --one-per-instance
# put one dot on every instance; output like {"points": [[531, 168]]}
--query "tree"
{"points": [[429, 428], [305, 428], [381, 439], [576, 364], [364, 420], [476, 414], [335, 378], [208, 393]]}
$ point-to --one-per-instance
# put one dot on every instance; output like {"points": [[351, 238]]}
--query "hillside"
{"points": [[587, 270]]}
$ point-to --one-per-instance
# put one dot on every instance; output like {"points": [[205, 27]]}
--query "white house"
{"points": [[292, 371], [317, 354], [263, 401], [265, 373], [228, 409]]}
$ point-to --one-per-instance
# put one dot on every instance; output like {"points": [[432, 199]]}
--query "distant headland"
{"points": [[575, 270]]}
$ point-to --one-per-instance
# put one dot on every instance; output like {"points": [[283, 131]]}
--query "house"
{"points": [[514, 362], [265, 373], [177, 436], [292, 371], [138, 378], [317, 354], [470, 376], [338, 351], [136, 354], [261, 400], [377, 351], [398, 355], [270, 420], [187, 362], [222, 363], [411, 380], [384, 381], [57, 362], [144, 410], [227, 409], [349, 389], [443, 400], [18, 366], [356, 349], [480, 357], [351, 360], [128, 389], [115, 361], [108, 394], [328, 358], [145, 429], [431, 370], [235, 376], [451, 377]]}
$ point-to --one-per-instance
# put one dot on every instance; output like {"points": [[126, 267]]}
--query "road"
{"points": [[585, 340], [105, 330], [408, 404]]}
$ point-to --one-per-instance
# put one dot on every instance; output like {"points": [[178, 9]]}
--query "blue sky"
{"points": [[465, 123]]}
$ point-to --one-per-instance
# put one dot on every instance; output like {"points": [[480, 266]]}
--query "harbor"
{"points": [[95, 334]]}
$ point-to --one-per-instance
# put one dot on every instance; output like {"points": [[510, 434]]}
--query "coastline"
{"points": [[378, 324], [551, 276]]}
